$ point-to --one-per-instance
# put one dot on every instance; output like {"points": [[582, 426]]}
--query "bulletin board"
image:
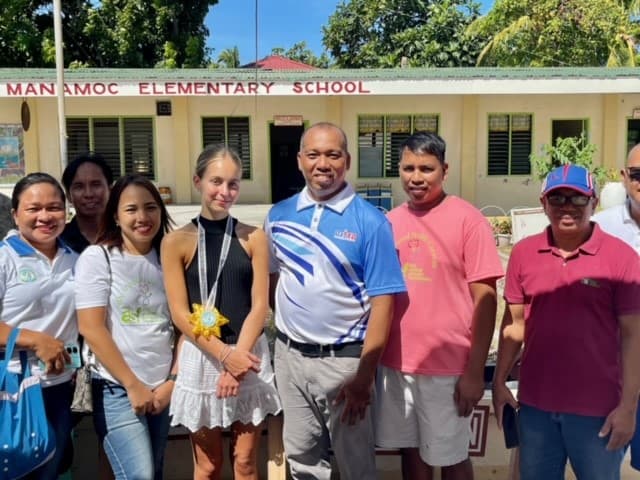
{"points": [[12, 166]]}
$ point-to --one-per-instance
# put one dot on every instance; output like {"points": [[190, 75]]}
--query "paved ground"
{"points": [[253, 214]]}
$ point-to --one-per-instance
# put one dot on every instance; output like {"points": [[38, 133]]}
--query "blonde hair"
{"points": [[214, 152]]}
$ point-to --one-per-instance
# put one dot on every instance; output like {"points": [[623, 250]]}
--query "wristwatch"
{"points": [[171, 377]]}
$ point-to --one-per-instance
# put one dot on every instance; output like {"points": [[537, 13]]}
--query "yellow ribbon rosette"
{"points": [[206, 322]]}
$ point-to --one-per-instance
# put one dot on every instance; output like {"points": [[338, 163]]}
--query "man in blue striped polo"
{"points": [[334, 273]]}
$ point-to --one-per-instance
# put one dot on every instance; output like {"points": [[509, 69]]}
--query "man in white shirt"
{"points": [[623, 221]]}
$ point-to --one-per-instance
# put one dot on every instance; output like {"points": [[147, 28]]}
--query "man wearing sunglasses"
{"points": [[573, 298], [623, 221]]}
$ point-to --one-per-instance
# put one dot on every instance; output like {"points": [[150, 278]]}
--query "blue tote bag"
{"points": [[26, 438]]}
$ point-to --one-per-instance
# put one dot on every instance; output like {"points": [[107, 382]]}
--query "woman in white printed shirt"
{"points": [[124, 318]]}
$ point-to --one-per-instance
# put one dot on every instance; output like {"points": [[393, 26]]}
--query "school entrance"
{"points": [[286, 179]]}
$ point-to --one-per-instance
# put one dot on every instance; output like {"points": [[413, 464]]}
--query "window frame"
{"points": [[387, 160], [151, 174], [628, 137], [510, 162], [585, 126], [247, 158]]}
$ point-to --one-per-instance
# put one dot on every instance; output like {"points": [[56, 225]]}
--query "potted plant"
{"points": [[501, 227], [575, 150]]}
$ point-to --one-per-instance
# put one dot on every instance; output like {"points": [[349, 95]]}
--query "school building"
{"points": [[156, 122]]}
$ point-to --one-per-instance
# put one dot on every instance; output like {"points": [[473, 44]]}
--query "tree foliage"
{"points": [[541, 33], [301, 53], [229, 58], [379, 33], [109, 33]]}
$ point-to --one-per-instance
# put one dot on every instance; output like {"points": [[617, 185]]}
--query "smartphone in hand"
{"points": [[75, 360], [510, 426], [73, 349]]}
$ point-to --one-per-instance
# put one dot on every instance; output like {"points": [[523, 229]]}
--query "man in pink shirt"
{"points": [[433, 366], [573, 295]]}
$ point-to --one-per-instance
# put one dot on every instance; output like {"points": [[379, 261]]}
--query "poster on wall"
{"points": [[11, 153]]}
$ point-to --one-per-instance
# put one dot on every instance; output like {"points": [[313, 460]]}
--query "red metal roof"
{"points": [[277, 62]]}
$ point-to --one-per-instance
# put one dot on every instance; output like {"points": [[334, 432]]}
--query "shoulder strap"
{"points": [[8, 352], [11, 342], [108, 259]]}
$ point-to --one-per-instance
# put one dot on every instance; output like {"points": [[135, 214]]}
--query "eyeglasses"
{"points": [[557, 200], [633, 173]]}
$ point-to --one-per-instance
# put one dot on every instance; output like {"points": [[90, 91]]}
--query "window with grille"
{"points": [[380, 138], [509, 144], [233, 132], [127, 144]]}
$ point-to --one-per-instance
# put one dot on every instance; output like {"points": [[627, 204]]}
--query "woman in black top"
{"points": [[225, 377], [87, 180]]}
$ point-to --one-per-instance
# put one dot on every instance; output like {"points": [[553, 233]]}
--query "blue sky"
{"points": [[281, 23]]}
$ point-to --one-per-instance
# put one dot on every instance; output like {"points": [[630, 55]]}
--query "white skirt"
{"points": [[194, 403]]}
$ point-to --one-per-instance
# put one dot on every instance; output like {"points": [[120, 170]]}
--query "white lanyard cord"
{"points": [[208, 302]]}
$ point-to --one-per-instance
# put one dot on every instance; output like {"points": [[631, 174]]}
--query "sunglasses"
{"points": [[558, 200], [633, 173]]}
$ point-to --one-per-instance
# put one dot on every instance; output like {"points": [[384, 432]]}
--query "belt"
{"points": [[347, 349]]}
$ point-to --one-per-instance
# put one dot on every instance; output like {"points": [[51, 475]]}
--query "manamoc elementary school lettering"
{"points": [[179, 88], [73, 89]]}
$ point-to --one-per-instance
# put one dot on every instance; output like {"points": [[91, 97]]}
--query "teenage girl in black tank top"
{"points": [[233, 298], [226, 381]]}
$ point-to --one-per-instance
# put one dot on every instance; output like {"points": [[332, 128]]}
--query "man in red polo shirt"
{"points": [[573, 295]]}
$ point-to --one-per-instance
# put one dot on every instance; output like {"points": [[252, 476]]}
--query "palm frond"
{"points": [[622, 52], [502, 38]]}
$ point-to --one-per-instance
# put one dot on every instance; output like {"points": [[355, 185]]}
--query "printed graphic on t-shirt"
{"points": [[419, 248], [134, 303]]}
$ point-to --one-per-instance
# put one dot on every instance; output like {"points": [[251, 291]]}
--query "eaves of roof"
{"points": [[217, 74]]}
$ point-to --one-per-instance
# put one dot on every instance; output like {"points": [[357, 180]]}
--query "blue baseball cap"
{"points": [[569, 176]]}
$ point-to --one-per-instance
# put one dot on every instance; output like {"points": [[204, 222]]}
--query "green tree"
{"points": [[301, 53], [26, 31], [147, 33], [541, 33], [631, 6], [108, 33], [229, 58], [381, 33]]}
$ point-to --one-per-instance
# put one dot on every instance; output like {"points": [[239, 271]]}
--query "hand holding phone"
{"points": [[510, 426], [73, 349]]}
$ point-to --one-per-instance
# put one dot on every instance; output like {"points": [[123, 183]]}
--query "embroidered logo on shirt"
{"points": [[27, 275], [346, 235]]}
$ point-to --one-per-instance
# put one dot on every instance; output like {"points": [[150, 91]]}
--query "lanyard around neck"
{"points": [[208, 302]]}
